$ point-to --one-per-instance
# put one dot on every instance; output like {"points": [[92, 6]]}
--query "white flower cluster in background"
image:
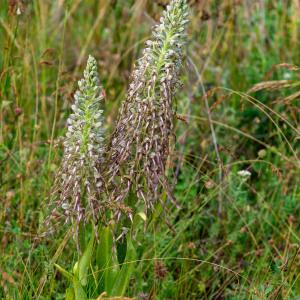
{"points": [[244, 173]]}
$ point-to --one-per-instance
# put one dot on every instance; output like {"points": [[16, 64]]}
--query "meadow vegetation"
{"points": [[225, 222]]}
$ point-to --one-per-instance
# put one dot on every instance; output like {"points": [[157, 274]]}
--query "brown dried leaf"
{"points": [[289, 98], [45, 62], [7, 278], [182, 118], [290, 67]]}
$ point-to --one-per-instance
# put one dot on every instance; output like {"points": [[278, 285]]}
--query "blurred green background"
{"points": [[234, 237]]}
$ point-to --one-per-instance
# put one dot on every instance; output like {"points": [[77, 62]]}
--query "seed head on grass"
{"points": [[140, 143], [79, 182]]}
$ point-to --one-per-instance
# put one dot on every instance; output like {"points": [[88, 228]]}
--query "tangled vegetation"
{"points": [[171, 171]]}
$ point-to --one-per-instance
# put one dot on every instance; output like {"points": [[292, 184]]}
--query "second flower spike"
{"points": [[140, 143]]}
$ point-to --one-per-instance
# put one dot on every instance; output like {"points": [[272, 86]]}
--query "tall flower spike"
{"points": [[140, 143], [79, 181]]}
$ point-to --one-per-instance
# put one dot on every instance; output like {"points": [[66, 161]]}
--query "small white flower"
{"points": [[65, 206], [19, 12], [287, 76], [244, 173]]}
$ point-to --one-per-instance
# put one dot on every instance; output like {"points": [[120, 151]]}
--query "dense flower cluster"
{"points": [[91, 183], [79, 182], [140, 143]]}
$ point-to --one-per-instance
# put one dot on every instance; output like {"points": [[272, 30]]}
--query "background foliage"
{"points": [[233, 237]]}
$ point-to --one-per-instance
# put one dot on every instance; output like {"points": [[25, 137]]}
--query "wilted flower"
{"points": [[140, 143]]}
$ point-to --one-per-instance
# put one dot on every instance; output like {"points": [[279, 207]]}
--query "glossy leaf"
{"points": [[85, 261], [78, 290], [105, 260], [141, 216], [124, 274]]}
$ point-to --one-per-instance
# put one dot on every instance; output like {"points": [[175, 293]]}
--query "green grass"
{"points": [[248, 251]]}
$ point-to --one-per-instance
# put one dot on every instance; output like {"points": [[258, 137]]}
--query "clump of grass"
{"points": [[140, 143]]}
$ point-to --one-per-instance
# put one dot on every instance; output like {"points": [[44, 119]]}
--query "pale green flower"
{"points": [[79, 181]]}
